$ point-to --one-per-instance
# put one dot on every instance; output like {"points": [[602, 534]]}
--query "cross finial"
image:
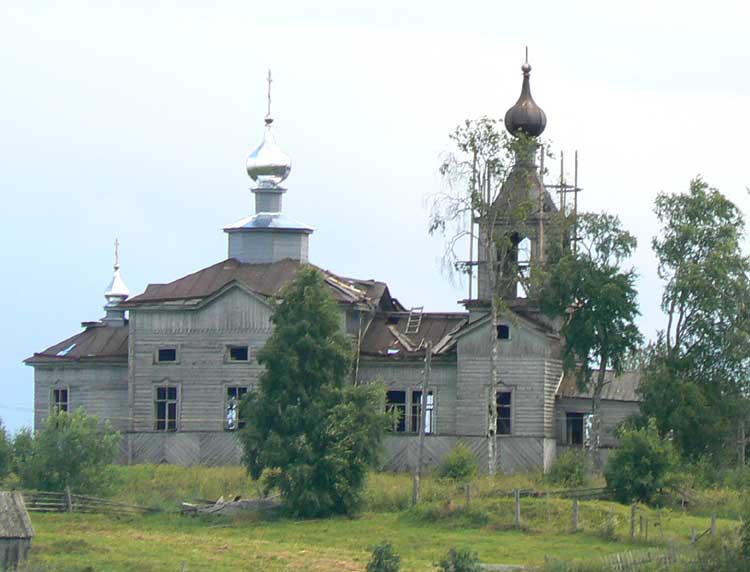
{"points": [[117, 254], [269, 80], [527, 54]]}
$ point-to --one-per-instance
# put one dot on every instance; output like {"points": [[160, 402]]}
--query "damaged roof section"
{"points": [[98, 342], [266, 279], [386, 335], [623, 387]]}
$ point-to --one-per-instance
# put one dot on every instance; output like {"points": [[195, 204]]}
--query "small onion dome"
{"points": [[525, 115], [268, 165], [117, 291]]}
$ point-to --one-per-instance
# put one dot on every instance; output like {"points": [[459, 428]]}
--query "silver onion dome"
{"points": [[268, 165], [117, 291], [526, 115]]}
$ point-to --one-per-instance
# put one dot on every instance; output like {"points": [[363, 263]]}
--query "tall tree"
{"points": [[313, 431], [598, 297], [476, 171], [697, 378]]}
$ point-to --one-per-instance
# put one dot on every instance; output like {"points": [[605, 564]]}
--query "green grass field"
{"points": [[249, 542]]}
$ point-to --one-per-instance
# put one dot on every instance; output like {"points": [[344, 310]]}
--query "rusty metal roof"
{"points": [[98, 342], [265, 279], [621, 387], [386, 335]]}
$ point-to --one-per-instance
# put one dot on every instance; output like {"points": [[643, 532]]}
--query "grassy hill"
{"points": [[270, 543]]}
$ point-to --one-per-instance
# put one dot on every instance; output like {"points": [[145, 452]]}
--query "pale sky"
{"points": [[133, 120]]}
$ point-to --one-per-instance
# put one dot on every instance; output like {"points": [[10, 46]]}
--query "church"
{"points": [[168, 367]]}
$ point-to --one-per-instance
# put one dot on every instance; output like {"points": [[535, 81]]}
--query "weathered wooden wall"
{"points": [[258, 246], [211, 448], [612, 412], [202, 371], [14, 553], [101, 389]]}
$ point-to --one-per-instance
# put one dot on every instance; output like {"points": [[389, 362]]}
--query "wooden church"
{"points": [[168, 366]]}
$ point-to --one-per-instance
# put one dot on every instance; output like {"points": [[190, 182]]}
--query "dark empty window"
{"points": [[167, 354], [239, 353], [503, 412], [575, 427], [233, 419], [395, 401], [503, 332], [165, 407], [59, 399], [416, 410], [392, 320]]}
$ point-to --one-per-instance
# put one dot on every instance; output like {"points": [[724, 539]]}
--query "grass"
{"points": [[422, 535]]}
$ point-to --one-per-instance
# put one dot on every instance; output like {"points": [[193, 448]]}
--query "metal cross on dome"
{"points": [[269, 80]]}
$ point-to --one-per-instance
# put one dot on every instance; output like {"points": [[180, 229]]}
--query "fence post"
{"points": [[693, 536], [575, 515], [632, 522], [517, 494], [640, 526], [468, 496], [68, 499], [713, 526], [645, 530]]}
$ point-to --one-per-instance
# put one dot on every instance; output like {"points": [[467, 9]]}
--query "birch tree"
{"points": [[475, 173]]}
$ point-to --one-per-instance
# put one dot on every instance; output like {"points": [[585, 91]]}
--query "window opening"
{"points": [[503, 332], [59, 400], [239, 353], [416, 412], [503, 403], [233, 418], [576, 427], [166, 408], [396, 401], [167, 354]]}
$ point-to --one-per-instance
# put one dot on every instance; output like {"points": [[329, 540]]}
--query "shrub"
{"points": [[23, 447], [642, 466], [459, 464], [5, 452], [73, 450], [569, 469], [459, 560], [384, 559]]}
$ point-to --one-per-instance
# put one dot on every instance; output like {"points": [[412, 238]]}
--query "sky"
{"points": [[132, 120]]}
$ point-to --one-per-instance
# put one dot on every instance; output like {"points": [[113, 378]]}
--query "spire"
{"points": [[525, 115], [116, 292], [268, 165]]}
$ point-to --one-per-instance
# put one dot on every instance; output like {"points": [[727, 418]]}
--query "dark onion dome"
{"points": [[525, 115]]}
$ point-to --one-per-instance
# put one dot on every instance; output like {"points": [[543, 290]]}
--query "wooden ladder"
{"points": [[414, 321]]}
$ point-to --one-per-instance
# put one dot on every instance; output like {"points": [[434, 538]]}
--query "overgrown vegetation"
{"points": [[459, 465], [641, 467], [310, 433], [460, 560], [6, 452], [384, 559], [71, 449], [570, 469]]}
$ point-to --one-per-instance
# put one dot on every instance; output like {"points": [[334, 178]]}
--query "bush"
{"points": [[23, 448], [5, 452], [642, 466], [384, 559], [569, 469], [459, 465], [459, 560], [71, 450]]}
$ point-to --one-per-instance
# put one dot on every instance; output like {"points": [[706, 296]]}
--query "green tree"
{"points": [[489, 175], [313, 433], [641, 466], [72, 450], [6, 452], [697, 378], [599, 300], [23, 449]]}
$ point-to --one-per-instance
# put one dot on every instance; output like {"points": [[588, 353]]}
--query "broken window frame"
{"points": [[168, 396], [400, 424], [416, 412], [232, 413], [57, 403], [504, 413], [575, 436]]}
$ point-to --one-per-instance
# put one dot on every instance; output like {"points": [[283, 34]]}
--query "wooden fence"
{"points": [[44, 501]]}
